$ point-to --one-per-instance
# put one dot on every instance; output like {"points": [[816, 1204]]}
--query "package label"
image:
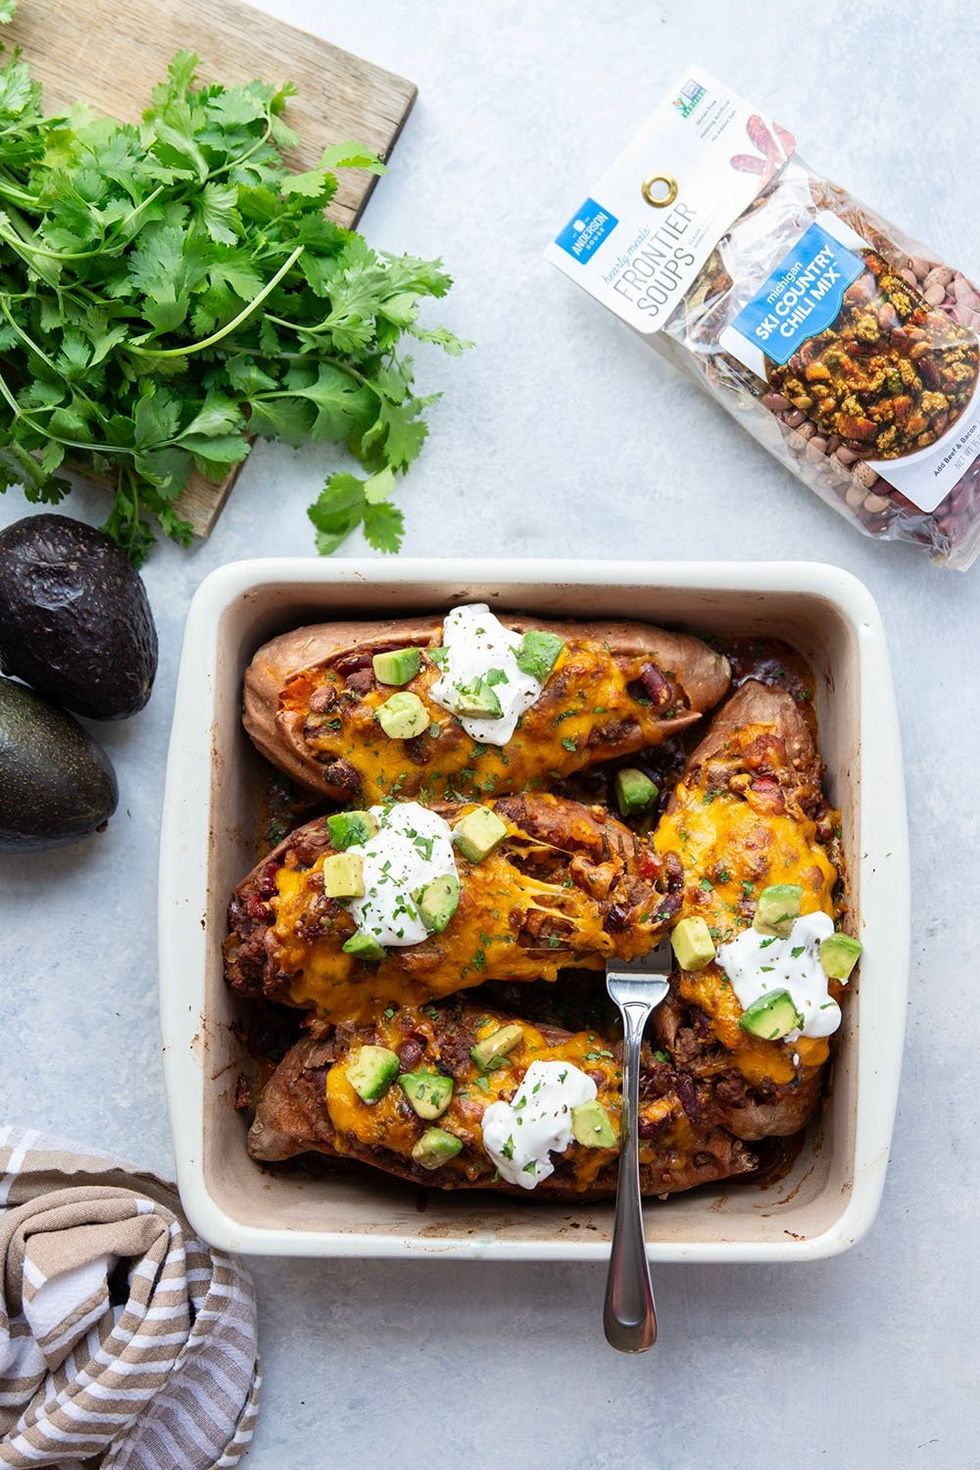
{"points": [[643, 235], [802, 297]]}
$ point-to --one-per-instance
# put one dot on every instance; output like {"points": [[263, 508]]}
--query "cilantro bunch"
{"points": [[170, 290]]}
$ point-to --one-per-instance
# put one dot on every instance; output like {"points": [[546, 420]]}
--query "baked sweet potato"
{"points": [[748, 811], [569, 886], [309, 1105], [311, 698]]}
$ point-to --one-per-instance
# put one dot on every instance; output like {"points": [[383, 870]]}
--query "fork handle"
{"points": [[629, 1317]]}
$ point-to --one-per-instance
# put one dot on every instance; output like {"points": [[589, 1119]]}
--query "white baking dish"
{"points": [[829, 1199]]}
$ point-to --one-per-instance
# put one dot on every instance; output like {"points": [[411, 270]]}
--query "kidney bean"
{"points": [[323, 699], [655, 685]]}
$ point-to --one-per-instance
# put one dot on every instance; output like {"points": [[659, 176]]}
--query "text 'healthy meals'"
{"points": [[392, 949]]}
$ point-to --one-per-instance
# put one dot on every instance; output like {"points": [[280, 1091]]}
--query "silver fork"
{"points": [[630, 1317]]}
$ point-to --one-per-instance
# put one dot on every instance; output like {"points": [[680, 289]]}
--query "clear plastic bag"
{"points": [[894, 374]]}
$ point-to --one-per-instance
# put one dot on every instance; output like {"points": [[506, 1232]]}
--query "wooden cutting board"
{"points": [[110, 53]]}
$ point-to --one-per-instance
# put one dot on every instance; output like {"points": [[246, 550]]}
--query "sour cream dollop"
{"points": [[477, 643], [411, 847], [757, 964], [521, 1135]]}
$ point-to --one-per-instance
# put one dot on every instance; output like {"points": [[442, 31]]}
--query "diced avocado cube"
{"points": [[348, 829], [438, 902], [438, 655], [839, 954], [397, 665], [772, 1016], [477, 701], [537, 653], [495, 1046], [692, 944], [403, 716], [430, 1093], [478, 833], [343, 875], [777, 907], [591, 1126], [371, 1071], [363, 947], [436, 1147], [635, 792]]}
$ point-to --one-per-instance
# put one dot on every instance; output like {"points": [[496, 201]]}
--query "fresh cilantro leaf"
{"points": [[352, 155], [217, 212], [384, 526]]}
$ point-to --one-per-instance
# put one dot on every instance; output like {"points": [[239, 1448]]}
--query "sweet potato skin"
{"points": [[286, 672], [293, 1114], [758, 769]]}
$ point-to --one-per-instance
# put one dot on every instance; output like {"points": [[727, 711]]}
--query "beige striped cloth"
{"points": [[124, 1341]]}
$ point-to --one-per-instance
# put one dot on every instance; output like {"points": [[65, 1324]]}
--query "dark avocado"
{"points": [[56, 783], [75, 622]]}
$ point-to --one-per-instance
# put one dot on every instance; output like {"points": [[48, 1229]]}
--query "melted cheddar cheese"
{"points": [[731, 851], [392, 1124], [480, 943], [585, 713]]}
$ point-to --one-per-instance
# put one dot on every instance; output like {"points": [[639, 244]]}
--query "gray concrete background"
{"points": [[561, 434]]}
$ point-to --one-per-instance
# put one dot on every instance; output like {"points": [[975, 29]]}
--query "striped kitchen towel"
{"points": [[122, 1337]]}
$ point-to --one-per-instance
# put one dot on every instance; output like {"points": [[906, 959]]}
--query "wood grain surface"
{"points": [[109, 53]]}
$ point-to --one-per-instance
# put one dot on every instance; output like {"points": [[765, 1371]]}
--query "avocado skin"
{"points": [[75, 620], [56, 782]]}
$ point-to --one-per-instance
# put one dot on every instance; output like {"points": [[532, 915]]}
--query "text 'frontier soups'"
{"points": [[842, 345]]}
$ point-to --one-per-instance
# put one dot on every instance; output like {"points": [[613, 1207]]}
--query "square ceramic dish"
{"points": [[829, 1199]]}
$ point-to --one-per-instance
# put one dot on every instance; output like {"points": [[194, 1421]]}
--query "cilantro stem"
{"points": [[89, 446], [18, 196], [226, 168], [229, 327], [29, 341], [100, 249]]}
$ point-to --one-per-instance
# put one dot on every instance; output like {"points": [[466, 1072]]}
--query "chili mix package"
{"points": [[845, 347]]}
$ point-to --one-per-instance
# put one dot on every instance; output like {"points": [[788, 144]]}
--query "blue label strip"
{"points": [[802, 297]]}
